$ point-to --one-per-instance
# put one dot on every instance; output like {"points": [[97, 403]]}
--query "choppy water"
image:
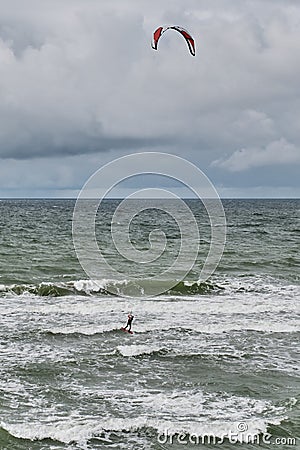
{"points": [[205, 359]]}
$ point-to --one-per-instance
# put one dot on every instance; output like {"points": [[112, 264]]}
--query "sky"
{"points": [[80, 86]]}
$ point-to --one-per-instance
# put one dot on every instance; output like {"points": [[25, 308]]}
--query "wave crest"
{"points": [[103, 288]]}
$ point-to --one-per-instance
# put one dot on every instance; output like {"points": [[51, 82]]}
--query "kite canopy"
{"points": [[188, 38]]}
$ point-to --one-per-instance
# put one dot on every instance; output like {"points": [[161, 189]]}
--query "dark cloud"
{"points": [[80, 78], [48, 145]]}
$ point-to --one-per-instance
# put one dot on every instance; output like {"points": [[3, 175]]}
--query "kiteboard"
{"points": [[127, 331]]}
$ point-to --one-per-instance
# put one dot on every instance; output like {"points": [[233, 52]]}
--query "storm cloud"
{"points": [[79, 79]]}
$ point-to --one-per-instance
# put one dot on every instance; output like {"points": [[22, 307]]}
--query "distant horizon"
{"points": [[147, 198]]}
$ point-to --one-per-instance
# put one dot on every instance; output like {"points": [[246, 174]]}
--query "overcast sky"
{"points": [[80, 85]]}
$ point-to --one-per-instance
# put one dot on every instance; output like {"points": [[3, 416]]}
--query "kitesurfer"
{"points": [[129, 321]]}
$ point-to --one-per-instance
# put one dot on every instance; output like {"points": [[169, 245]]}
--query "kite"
{"points": [[189, 40]]}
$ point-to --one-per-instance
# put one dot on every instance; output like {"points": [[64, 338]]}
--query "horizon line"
{"points": [[149, 198]]}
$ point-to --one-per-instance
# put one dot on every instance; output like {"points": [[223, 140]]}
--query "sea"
{"points": [[210, 364]]}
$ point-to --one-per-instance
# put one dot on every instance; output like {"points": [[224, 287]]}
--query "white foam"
{"points": [[192, 411], [80, 431], [88, 330], [89, 286], [137, 350]]}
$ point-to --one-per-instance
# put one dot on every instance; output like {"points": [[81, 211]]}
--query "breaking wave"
{"points": [[103, 288]]}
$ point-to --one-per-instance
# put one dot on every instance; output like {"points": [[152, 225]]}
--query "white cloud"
{"points": [[278, 152]]}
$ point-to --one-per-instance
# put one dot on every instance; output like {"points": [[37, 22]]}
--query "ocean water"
{"points": [[210, 365]]}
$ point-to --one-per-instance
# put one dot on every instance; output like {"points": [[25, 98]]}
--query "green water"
{"points": [[204, 359]]}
